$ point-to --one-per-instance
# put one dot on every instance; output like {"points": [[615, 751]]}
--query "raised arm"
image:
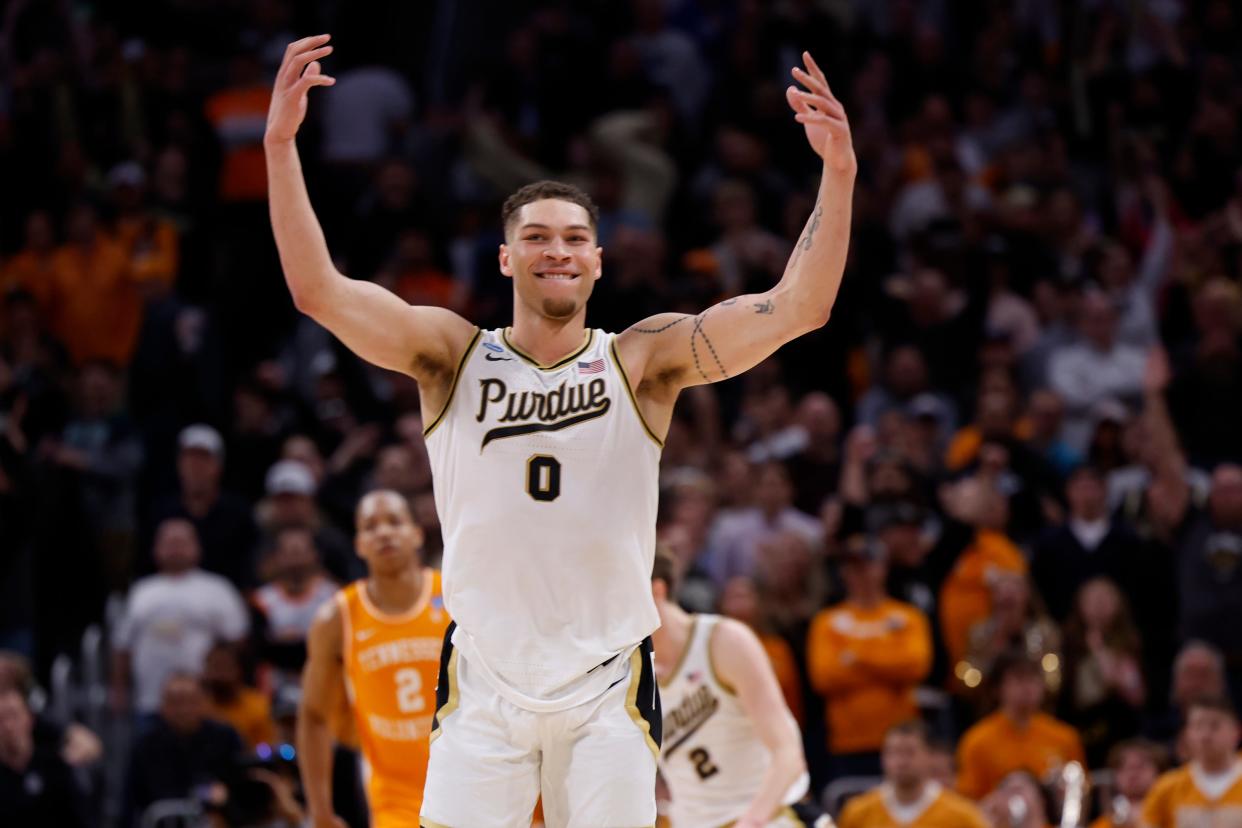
{"points": [[322, 687], [424, 342], [668, 352]]}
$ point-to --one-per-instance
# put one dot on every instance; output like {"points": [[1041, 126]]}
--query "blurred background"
{"points": [[1021, 422]]}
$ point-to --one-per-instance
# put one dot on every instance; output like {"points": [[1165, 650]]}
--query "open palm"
{"points": [[298, 72], [821, 115]]}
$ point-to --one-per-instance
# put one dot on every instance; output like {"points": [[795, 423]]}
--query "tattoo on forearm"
{"points": [[698, 329], [764, 307], [662, 328], [808, 235]]}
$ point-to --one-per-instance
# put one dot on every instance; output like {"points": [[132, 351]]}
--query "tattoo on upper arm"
{"points": [[698, 329], [662, 328], [728, 302], [764, 307]]}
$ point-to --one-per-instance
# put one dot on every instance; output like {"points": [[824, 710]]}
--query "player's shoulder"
{"points": [[1170, 781], [966, 812], [328, 624], [981, 731]]}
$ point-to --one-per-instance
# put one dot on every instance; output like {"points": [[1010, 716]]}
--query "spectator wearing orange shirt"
{"points": [[231, 702], [1018, 736], [966, 595], [909, 796], [96, 307], [1208, 790], [865, 656], [152, 243]]}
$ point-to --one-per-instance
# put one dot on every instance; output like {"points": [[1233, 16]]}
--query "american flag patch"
{"points": [[595, 366]]}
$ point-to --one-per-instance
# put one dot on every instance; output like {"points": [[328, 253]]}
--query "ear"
{"points": [[659, 589], [505, 267], [599, 263]]}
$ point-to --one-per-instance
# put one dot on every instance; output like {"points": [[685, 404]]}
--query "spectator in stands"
{"points": [[230, 701], [171, 619], [966, 593], [1135, 764], [1198, 672], [1019, 801], [1018, 736], [1046, 414], [905, 379], [909, 796], [740, 600], [1097, 368], [1103, 693], [1208, 789], [1016, 622], [184, 755], [815, 466], [76, 744], [102, 448], [733, 546], [221, 520], [290, 503], [286, 604], [1087, 545], [866, 656], [37, 785]]}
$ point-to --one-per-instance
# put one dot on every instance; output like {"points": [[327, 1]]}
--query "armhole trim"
{"points": [[461, 364], [625, 380], [711, 662]]}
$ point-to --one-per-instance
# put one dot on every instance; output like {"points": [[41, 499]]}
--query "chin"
{"points": [[559, 308]]}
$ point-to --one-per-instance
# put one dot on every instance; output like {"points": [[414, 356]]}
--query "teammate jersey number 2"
{"points": [[410, 691]]}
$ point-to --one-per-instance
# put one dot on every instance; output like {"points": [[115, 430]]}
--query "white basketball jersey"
{"points": [[711, 758], [546, 484]]}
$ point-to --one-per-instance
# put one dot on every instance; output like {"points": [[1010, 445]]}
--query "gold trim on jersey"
{"points": [[681, 659], [461, 364], [631, 700], [450, 704], [711, 662], [625, 380], [426, 823], [377, 614], [587, 339]]}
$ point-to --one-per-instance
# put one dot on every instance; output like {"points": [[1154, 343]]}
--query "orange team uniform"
{"points": [[250, 714], [867, 664], [938, 808], [1179, 800], [966, 596], [996, 747], [392, 663]]}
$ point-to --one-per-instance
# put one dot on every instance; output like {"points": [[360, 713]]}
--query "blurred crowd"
{"points": [[1000, 490]]}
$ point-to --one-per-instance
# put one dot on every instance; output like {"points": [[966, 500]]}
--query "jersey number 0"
{"points": [[543, 477]]}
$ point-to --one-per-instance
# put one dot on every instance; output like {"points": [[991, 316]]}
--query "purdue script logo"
{"points": [[533, 411]]}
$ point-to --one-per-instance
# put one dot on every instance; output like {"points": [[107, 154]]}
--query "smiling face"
{"points": [[551, 255]]}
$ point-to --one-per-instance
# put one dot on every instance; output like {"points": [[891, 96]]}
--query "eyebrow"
{"points": [[532, 225]]}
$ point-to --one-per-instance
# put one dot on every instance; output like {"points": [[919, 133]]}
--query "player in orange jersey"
{"points": [[379, 644]]}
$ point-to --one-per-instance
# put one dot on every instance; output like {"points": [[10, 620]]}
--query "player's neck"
{"points": [[1217, 766], [547, 340], [395, 593]]}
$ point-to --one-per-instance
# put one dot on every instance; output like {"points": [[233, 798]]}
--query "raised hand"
{"points": [[822, 116], [299, 71]]}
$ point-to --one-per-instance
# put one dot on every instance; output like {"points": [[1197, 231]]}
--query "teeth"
{"points": [[562, 277]]}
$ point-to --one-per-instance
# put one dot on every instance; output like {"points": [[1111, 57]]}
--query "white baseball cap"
{"points": [[201, 436], [290, 477]]}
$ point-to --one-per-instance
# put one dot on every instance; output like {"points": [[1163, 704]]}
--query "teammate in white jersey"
{"points": [[732, 751], [545, 440]]}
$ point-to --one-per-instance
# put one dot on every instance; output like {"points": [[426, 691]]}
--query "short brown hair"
{"points": [[664, 568], [912, 727], [1152, 751], [540, 190], [1219, 704]]}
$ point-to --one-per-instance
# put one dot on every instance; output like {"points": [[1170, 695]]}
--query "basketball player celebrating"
{"points": [[732, 752], [378, 645], [545, 442]]}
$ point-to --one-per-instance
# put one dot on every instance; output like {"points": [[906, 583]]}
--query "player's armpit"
{"points": [[671, 351]]}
